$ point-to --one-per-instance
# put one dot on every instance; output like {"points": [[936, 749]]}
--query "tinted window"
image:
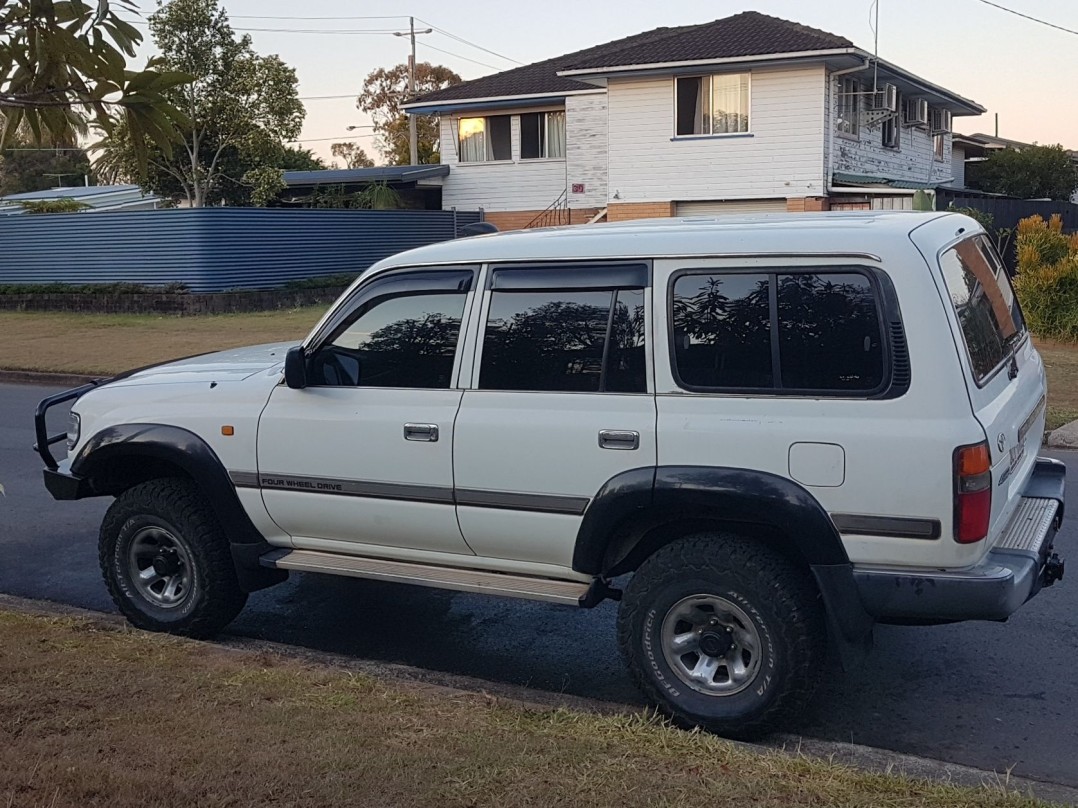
{"points": [[984, 302], [402, 341], [829, 336], [722, 330], [557, 341], [829, 332]]}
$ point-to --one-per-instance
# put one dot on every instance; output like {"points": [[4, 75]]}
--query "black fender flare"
{"points": [[735, 495], [117, 447]]}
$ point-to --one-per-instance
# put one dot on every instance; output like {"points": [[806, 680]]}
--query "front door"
{"points": [[559, 405], [364, 454]]}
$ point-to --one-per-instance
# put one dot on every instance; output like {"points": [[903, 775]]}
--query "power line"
{"points": [[326, 97], [468, 42], [339, 138], [457, 55], [1028, 17], [268, 17]]}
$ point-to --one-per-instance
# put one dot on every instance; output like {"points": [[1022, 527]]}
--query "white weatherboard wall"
{"points": [[783, 157], [498, 185], [586, 149], [913, 161], [958, 167]]}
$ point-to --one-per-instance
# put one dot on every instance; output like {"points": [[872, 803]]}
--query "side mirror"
{"points": [[295, 368]]}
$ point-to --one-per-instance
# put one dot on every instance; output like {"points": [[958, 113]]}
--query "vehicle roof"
{"points": [[838, 232]]}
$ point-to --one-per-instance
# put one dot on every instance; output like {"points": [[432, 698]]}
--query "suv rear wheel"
{"points": [[724, 634], [166, 561]]}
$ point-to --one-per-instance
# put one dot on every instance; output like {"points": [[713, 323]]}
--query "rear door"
{"points": [[560, 404], [1005, 376]]}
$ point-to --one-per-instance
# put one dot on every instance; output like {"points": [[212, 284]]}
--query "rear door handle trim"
{"points": [[427, 433], [621, 439]]}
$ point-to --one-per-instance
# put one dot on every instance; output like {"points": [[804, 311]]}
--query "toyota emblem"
{"points": [[1001, 442]]}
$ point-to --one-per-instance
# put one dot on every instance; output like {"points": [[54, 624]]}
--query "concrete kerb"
{"points": [[42, 378], [1065, 437], [854, 755]]}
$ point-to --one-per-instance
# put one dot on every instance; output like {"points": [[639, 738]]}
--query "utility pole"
{"points": [[413, 141]]}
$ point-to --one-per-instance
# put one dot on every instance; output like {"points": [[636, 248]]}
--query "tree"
{"points": [[64, 65], [239, 107], [384, 91], [24, 167], [1034, 172], [353, 155]]}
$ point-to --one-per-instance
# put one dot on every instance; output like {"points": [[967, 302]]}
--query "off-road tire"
{"points": [[177, 506], [780, 599]]}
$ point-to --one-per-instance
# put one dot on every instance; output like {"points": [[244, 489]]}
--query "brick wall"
{"points": [[623, 211], [808, 204], [180, 304], [519, 219]]}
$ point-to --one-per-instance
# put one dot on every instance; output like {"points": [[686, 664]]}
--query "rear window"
{"points": [[984, 302]]}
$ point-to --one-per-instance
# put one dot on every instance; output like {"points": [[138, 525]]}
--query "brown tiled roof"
{"points": [[747, 34]]}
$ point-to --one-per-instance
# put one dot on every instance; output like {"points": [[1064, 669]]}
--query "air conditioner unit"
{"points": [[940, 121], [916, 112], [885, 98]]}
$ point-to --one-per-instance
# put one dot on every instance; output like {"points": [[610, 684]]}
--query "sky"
{"points": [[1017, 68]]}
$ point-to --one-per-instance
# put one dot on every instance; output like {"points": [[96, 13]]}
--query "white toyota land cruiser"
{"points": [[785, 428]]}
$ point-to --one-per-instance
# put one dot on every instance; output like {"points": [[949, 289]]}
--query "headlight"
{"points": [[74, 429]]}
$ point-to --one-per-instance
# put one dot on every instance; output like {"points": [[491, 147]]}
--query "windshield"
{"points": [[985, 303]]}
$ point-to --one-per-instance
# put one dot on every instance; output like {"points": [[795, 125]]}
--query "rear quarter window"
{"points": [[984, 302]]}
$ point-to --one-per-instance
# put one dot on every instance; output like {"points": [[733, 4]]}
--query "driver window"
{"points": [[407, 340]]}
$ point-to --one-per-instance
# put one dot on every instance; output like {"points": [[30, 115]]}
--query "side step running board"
{"points": [[462, 580]]}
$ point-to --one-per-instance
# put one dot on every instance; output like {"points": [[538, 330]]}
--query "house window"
{"points": [[890, 130], [485, 139], [542, 135], [849, 107], [712, 105], [939, 146]]}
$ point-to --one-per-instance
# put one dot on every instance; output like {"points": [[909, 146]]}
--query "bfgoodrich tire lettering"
{"points": [[197, 593], [756, 627]]}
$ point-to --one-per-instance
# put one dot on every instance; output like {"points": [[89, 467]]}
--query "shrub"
{"points": [[91, 289], [1047, 281]]}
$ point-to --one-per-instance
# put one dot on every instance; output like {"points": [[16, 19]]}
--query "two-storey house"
{"points": [[747, 113]]}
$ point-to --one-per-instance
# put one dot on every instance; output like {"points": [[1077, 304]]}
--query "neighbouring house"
{"points": [[968, 150], [747, 113], [417, 187], [96, 198]]}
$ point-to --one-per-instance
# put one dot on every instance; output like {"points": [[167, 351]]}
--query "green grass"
{"points": [[95, 715]]}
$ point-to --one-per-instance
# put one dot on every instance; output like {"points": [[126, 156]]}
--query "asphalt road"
{"points": [[993, 696]]}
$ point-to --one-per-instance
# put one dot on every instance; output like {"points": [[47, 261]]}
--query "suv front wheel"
{"points": [[166, 561], [724, 634]]}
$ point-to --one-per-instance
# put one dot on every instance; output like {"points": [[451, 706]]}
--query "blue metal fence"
{"points": [[212, 249]]}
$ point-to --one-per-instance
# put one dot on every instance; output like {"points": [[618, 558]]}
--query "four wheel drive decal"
{"points": [[438, 495]]}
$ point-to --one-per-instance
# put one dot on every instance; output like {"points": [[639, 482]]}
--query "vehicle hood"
{"points": [[233, 365]]}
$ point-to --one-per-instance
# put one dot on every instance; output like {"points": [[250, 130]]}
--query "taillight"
{"points": [[972, 492]]}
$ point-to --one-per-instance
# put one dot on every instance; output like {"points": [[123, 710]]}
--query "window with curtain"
{"points": [[849, 107], [542, 135], [484, 139], [712, 105]]}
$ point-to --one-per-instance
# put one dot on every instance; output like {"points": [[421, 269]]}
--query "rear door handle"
{"points": [[623, 439], [421, 432]]}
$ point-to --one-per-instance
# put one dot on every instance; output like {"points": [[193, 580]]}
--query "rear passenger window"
{"points": [[565, 341], [796, 332]]}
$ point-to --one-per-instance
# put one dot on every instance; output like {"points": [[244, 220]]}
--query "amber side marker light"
{"points": [[972, 492], [228, 431]]}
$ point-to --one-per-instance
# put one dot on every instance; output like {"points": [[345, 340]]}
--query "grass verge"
{"points": [[58, 342], [103, 716], [1061, 366]]}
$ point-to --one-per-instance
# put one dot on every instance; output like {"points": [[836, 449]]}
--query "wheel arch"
{"points": [[641, 510], [124, 455]]}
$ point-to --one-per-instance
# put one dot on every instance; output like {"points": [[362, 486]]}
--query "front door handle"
{"points": [[421, 432], [623, 439]]}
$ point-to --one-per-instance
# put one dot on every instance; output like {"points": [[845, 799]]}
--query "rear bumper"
{"points": [[1021, 563]]}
